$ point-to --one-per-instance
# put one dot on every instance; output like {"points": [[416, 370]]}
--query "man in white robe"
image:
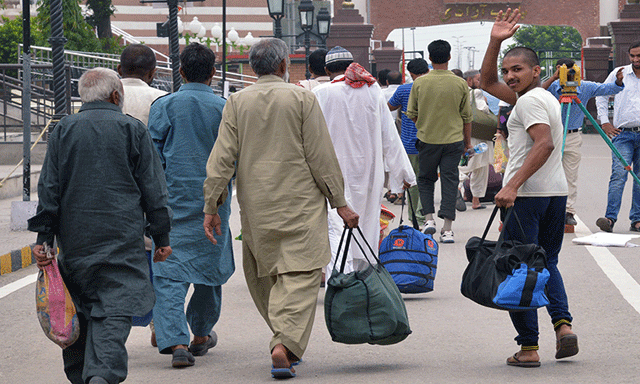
{"points": [[365, 140]]}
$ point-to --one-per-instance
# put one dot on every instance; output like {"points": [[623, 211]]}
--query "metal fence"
{"points": [[41, 106]]}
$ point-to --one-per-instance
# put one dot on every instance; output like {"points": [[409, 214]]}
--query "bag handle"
{"points": [[349, 233], [510, 211], [368, 246], [414, 221]]}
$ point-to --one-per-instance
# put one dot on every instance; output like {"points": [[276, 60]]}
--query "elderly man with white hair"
{"points": [[274, 136], [101, 176]]}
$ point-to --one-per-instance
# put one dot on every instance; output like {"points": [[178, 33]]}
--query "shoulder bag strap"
{"points": [[371, 251], [486, 229], [510, 212]]}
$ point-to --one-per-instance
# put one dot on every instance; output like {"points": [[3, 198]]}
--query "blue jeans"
{"points": [[170, 319], [628, 144], [542, 219]]}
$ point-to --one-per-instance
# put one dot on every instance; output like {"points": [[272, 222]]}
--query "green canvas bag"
{"points": [[364, 306], [484, 124]]}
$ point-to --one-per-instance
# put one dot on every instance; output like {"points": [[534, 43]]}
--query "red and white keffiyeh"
{"points": [[356, 76]]}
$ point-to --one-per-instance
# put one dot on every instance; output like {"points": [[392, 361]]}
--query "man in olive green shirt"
{"points": [[439, 105]]}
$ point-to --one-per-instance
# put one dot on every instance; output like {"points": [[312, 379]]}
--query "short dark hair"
{"points": [[565, 61], [528, 54], [439, 51], [458, 72], [382, 76], [137, 60], [196, 62], [634, 45], [418, 66], [316, 61], [338, 66], [394, 77]]}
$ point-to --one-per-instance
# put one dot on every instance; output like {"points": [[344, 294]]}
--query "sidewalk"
{"points": [[15, 250]]}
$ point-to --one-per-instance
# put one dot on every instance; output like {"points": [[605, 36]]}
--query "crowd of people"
{"points": [[307, 160]]}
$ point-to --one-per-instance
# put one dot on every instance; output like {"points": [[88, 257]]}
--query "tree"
{"points": [[548, 38], [10, 37], [101, 17], [79, 33], [555, 41]]}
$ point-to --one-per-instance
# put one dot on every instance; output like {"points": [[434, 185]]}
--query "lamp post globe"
{"points": [[216, 31], [194, 26]]}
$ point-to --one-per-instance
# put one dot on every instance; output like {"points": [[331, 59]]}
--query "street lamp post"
{"points": [[306, 9], [276, 11], [324, 25]]}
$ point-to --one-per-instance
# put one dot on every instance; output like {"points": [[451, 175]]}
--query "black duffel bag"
{"points": [[505, 275]]}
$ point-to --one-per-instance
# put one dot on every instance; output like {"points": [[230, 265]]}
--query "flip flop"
{"points": [[524, 364], [282, 373], [567, 346]]}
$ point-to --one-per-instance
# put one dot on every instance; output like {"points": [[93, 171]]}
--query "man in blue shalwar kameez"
{"points": [[184, 126]]}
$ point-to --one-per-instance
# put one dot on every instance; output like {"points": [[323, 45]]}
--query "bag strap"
{"points": [[349, 233], [414, 221], [510, 212], [372, 253]]}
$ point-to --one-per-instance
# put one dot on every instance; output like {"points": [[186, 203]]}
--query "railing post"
{"points": [[57, 42]]}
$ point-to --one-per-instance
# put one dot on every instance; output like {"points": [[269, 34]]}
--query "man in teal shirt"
{"points": [[184, 126]]}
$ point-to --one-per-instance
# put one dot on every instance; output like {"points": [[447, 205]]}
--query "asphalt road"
{"points": [[454, 340]]}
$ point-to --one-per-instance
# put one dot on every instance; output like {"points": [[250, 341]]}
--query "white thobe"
{"points": [[138, 97], [365, 138]]}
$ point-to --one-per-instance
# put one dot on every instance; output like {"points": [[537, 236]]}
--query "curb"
{"points": [[15, 260]]}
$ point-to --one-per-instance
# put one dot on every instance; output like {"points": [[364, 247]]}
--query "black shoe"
{"points": [[182, 358], [635, 227], [605, 224], [569, 219], [202, 349], [460, 204]]}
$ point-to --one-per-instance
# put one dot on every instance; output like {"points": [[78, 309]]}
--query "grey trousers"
{"points": [[99, 351], [444, 158]]}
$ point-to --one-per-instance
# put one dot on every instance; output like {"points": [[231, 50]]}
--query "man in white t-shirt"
{"points": [[534, 181]]}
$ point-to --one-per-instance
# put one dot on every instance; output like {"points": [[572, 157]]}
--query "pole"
{"points": [[307, 44], [174, 44], [608, 141], [26, 101], [278, 24], [224, 45], [57, 41]]}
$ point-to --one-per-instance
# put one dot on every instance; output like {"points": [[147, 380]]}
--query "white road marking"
{"points": [[18, 284], [628, 287]]}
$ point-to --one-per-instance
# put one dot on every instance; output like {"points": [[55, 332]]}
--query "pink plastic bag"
{"points": [[56, 311]]}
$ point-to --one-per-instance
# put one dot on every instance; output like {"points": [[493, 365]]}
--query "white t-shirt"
{"points": [[537, 106]]}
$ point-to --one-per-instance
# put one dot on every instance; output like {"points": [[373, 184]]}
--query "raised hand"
{"points": [[506, 24]]}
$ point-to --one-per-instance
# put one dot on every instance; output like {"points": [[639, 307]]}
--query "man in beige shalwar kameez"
{"points": [[273, 134]]}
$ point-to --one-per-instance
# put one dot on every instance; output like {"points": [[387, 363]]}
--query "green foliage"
{"points": [[555, 41], [101, 9], [79, 33], [10, 37], [548, 38]]}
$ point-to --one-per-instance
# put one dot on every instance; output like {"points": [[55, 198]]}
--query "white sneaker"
{"points": [[446, 237], [429, 227]]}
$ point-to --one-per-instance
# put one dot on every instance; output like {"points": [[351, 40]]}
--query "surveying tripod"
{"points": [[569, 79]]}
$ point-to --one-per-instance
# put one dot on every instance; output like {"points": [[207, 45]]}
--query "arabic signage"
{"points": [[465, 12]]}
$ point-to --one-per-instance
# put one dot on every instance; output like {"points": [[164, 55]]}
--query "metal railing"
{"points": [[41, 106]]}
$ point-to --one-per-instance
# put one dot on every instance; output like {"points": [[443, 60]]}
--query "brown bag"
{"points": [[484, 124]]}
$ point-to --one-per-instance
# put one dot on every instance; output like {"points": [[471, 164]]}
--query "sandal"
{"points": [[514, 361], [391, 197], [567, 346]]}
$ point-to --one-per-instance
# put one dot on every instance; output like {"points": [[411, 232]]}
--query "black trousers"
{"points": [[99, 351], [444, 158]]}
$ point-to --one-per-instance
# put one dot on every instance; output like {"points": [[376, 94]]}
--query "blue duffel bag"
{"points": [[410, 256]]}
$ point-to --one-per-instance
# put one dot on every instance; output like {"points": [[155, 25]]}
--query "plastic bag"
{"points": [[56, 311], [500, 157]]}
